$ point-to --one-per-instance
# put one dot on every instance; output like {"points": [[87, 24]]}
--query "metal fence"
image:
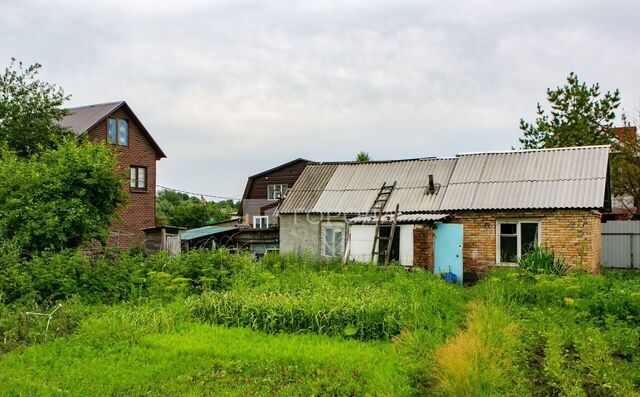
{"points": [[621, 244]]}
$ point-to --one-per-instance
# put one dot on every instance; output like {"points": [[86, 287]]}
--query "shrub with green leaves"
{"points": [[59, 198], [542, 260]]}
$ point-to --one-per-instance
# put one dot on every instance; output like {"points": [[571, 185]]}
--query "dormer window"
{"points": [[118, 132]]}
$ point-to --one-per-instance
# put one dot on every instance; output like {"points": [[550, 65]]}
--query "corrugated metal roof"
{"points": [[548, 178], [352, 187], [204, 231], [80, 119], [402, 218]]}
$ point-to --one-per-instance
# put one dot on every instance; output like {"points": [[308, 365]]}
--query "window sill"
{"points": [[138, 191], [506, 264]]}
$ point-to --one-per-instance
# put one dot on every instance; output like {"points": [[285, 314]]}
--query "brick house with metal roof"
{"points": [[458, 215], [115, 124]]}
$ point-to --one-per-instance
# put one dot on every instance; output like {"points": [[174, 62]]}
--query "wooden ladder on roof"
{"points": [[377, 208], [381, 199]]}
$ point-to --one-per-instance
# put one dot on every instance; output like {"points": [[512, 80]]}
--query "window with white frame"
{"points": [[515, 237], [276, 192], [261, 222], [332, 240]]}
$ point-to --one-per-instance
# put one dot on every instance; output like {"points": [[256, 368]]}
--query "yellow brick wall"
{"points": [[572, 234]]}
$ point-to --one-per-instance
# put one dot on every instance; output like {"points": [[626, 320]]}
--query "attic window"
{"points": [[118, 132], [276, 192]]}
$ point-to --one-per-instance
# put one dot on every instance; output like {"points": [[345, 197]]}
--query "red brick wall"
{"points": [[140, 210], [423, 247], [572, 234]]}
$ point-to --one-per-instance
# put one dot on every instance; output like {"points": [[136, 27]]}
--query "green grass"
{"points": [[204, 360], [357, 301], [306, 326]]}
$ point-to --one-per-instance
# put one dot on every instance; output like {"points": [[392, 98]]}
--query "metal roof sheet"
{"points": [[547, 178], [402, 218], [352, 187], [80, 119], [204, 231]]}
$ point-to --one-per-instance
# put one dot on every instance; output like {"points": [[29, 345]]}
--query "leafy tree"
{"points": [[180, 209], [363, 157], [30, 110], [579, 116], [625, 170], [58, 198]]}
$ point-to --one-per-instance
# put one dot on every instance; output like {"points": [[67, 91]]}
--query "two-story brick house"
{"points": [[117, 125]]}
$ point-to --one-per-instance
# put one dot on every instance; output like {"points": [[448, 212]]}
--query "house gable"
{"points": [[85, 119], [255, 200]]}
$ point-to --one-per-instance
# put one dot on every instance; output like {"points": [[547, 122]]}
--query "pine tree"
{"points": [[579, 116]]}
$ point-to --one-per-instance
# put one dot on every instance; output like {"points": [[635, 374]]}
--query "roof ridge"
{"points": [[94, 105], [380, 161], [534, 180], [515, 151]]}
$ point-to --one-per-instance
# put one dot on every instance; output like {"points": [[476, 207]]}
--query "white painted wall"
{"points": [[406, 245], [361, 242]]}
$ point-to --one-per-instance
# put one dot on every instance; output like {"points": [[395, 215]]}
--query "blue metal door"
{"points": [[448, 249]]}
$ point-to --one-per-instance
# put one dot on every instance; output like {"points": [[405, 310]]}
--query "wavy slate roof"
{"points": [[525, 179], [352, 187], [529, 179]]}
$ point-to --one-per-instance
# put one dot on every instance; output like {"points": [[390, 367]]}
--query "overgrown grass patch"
{"points": [[482, 359], [353, 301], [204, 360]]}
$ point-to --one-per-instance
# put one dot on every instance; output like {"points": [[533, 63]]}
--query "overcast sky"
{"points": [[231, 88]]}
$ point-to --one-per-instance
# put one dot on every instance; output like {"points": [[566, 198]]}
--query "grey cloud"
{"points": [[230, 88]]}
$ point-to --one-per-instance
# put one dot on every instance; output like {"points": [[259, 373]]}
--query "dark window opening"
{"points": [[394, 255]]}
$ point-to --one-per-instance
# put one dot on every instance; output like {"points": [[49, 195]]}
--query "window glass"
{"points": [[275, 192], [516, 238], [260, 222], [142, 178], [528, 236], [111, 131], [333, 241], [508, 249], [123, 132], [337, 243], [508, 228], [328, 241], [132, 176]]}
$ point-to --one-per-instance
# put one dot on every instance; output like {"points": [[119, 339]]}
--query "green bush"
{"points": [[541, 260], [50, 277]]}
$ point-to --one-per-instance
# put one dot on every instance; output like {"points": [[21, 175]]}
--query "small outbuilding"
{"points": [[456, 215], [162, 238]]}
